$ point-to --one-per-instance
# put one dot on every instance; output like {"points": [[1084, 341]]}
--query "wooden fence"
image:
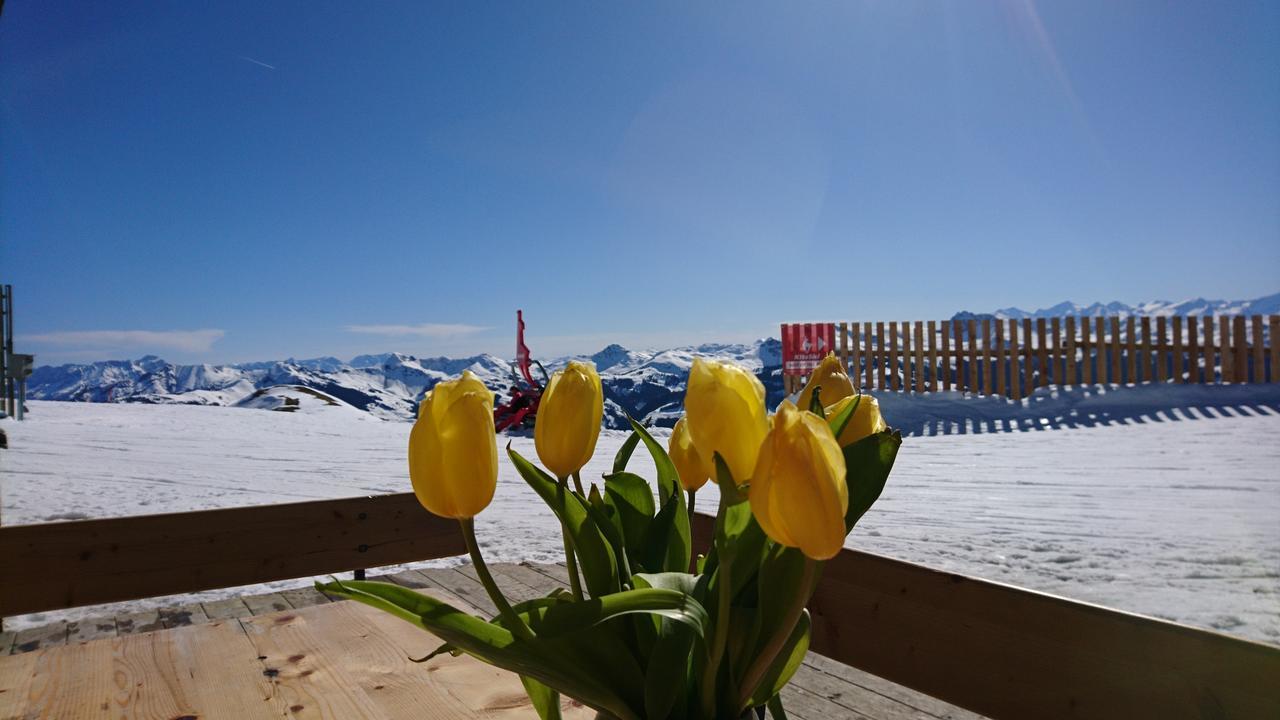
{"points": [[998, 650], [1014, 357]]}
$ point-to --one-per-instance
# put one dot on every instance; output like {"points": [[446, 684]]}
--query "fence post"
{"points": [[1226, 362], [882, 358], [1178, 363], [1258, 373], [855, 355], [919, 343], [868, 356], [1240, 349], [945, 329], [933, 356], [1071, 373], [971, 355], [1161, 348], [905, 331], [1028, 358], [844, 346], [1210, 366]]}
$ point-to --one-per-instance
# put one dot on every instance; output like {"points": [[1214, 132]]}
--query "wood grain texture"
{"points": [[87, 562], [1239, 349], [1115, 352]]}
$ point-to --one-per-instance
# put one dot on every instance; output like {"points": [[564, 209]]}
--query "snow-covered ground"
{"points": [[1164, 501]]}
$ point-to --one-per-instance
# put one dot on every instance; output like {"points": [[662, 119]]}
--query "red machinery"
{"points": [[521, 407]]}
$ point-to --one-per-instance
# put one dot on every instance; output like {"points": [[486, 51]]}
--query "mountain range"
{"points": [[644, 384]]}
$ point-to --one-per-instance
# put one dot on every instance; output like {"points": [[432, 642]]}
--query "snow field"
{"points": [[1170, 513]]}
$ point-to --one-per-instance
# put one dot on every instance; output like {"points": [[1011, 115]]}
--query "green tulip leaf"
{"points": [[785, 665], [566, 618], [623, 456], [595, 552], [775, 708], [665, 547], [632, 500], [665, 682], [544, 700], [841, 419], [868, 463], [606, 518], [668, 478], [552, 663]]}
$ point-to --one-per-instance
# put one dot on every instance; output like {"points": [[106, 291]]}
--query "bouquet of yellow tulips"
{"points": [[647, 630]]}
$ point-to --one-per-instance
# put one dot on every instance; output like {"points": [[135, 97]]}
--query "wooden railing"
{"points": [[1014, 357], [994, 649]]}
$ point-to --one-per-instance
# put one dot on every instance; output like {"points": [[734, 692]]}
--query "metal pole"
{"points": [[8, 341], [4, 349], [22, 398]]}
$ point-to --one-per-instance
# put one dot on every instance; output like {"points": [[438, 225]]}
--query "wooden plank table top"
{"points": [[342, 660]]}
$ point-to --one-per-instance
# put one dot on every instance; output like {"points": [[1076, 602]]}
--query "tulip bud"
{"points": [[725, 408], [453, 452], [568, 423], [798, 492], [866, 418], [830, 375], [693, 470]]}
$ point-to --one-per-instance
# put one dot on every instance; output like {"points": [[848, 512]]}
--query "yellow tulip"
{"points": [[693, 470], [866, 419], [453, 452], [568, 423], [830, 375], [725, 407], [798, 492]]}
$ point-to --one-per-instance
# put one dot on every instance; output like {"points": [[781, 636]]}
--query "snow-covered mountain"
{"points": [[1268, 305], [645, 384]]}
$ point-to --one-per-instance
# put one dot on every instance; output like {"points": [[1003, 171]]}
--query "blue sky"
{"points": [[241, 181]]}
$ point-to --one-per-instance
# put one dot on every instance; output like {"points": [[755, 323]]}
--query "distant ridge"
{"points": [[1268, 305], [645, 384]]}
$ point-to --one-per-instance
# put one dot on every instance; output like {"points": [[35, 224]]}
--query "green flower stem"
{"points": [[513, 621], [570, 560], [577, 484], [724, 587], [692, 494], [768, 653]]}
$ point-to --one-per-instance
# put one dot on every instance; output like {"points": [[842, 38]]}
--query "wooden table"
{"points": [[343, 660]]}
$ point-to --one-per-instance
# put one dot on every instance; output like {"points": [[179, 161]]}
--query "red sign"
{"points": [[804, 345]]}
